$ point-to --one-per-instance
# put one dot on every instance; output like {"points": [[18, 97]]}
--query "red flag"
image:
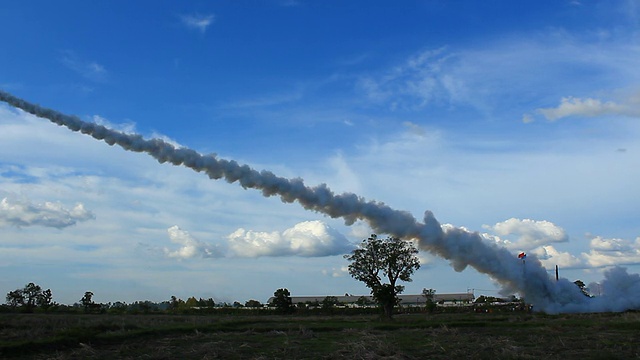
{"points": [[522, 255]]}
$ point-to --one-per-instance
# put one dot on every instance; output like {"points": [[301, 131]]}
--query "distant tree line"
{"points": [[32, 298]]}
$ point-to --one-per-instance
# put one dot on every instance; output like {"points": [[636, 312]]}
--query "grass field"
{"points": [[414, 336]]}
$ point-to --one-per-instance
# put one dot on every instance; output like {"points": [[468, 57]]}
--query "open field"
{"points": [[414, 336]]}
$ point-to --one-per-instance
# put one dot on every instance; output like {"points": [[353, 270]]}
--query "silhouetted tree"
{"points": [[210, 303], [45, 300], [392, 258], [329, 302], [31, 292], [29, 297], [430, 295], [282, 301], [87, 301], [174, 303], [15, 298]]}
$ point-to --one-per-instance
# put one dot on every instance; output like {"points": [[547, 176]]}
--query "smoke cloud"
{"points": [[462, 248]]}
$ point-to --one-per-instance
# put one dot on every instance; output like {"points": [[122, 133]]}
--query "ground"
{"points": [[411, 336]]}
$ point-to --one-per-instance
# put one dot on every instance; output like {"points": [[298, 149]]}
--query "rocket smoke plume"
{"points": [[462, 248]]}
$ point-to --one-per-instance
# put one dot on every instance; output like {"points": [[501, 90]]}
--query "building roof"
{"points": [[404, 298]]}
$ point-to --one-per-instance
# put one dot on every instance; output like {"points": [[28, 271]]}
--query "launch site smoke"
{"points": [[462, 248]]}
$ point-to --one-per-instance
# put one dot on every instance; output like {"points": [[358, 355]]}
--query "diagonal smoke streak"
{"points": [[461, 247]]}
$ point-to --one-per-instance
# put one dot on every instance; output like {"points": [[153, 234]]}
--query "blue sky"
{"points": [[517, 120]]}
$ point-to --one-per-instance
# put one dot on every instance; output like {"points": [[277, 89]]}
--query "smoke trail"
{"points": [[461, 247]]}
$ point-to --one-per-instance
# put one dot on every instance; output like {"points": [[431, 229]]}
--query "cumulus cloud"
{"points": [[529, 234], [610, 252], [21, 213], [307, 239], [190, 247], [601, 244], [589, 107], [197, 21], [550, 257], [535, 237]]}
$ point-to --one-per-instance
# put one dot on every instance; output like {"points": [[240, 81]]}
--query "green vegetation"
{"points": [[429, 294], [392, 259], [29, 298], [410, 336], [33, 326], [282, 301]]}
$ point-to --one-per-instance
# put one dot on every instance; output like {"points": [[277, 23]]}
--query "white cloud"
{"points": [[529, 234], [336, 272], [602, 245], [21, 213], [589, 107], [489, 77], [414, 129], [373, 89], [191, 247], [360, 230], [418, 81], [550, 257], [343, 177], [610, 252], [307, 239], [426, 258], [409, 171], [127, 128], [198, 21]]}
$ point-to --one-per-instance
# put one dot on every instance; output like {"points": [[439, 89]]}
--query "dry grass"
{"points": [[416, 336]]}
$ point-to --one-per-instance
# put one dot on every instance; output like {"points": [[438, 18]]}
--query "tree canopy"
{"points": [[391, 258], [282, 301], [30, 297]]}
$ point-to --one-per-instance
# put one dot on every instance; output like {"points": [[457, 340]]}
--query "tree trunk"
{"points": [[388, 309]]}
